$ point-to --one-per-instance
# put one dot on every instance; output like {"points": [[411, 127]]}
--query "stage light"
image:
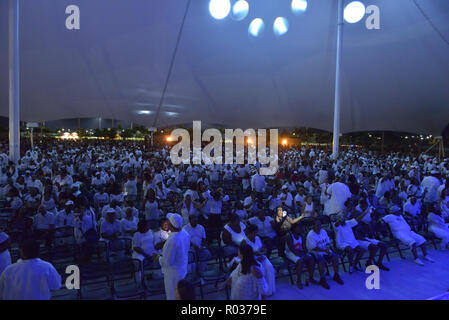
{"points": [[256, 27], [284, 142], [169, 139], [250, 140], [240, 10], [219, 9], [299, 6], [144, 112], [354, 12], [280, 26]]}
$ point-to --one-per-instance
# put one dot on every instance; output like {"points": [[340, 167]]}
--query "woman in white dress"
{"points": [[151, 206], [256, 244], [247, 281]]}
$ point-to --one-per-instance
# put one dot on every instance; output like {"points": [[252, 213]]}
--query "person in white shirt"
{"points": [[251, 203], [198, 241], [5, 257], [44, 224], [258, 183], [347, 241], [175, 255], [430, 185], [30, 278], [402, 231], [129, 224], [287, 199], [318, 244], [265, 230], [438, 226], [339, 193], [111, 228], [215, 203], [412, 208], [232, 235], [161, 235], [64, 218], [308, 210], [143, 247], [143, 242]]}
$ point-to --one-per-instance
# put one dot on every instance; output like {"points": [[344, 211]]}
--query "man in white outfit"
{"points": [[402, 231], [175, 255], [339, 193], [30, 278]]}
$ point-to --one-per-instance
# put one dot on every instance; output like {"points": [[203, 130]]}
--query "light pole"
{"points": [[337, 97], [14, 82]]}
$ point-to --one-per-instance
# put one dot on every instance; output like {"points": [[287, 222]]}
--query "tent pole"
{"points": [[14, 89], [336, 133]]}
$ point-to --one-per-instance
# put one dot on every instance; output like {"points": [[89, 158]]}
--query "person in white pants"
{"points": [[402, 231], [438, 226], [175, 255]]}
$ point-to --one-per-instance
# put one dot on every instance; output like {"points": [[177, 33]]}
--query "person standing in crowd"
{"points": [[339, 193], [175, 255]]}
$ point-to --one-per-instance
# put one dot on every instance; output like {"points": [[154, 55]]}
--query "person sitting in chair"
{"points": [[294, 251], [318, 244], [402, 231]]}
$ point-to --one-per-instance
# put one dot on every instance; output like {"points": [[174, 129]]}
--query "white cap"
{"points": [[68, 203], [284, 187], [175, 220], [433, 172], [110, 210]]}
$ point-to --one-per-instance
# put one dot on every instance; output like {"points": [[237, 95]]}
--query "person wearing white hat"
{"points": [[402, 231], [175, 255], [5, 257]]}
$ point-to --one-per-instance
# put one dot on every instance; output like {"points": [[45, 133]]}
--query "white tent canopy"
{"points": [[115, 66]]}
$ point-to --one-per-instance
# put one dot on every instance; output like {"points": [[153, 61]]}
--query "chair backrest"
{"points": [[125, 269]]}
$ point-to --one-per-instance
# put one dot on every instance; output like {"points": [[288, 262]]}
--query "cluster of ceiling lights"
{"points": [[220, 9]]}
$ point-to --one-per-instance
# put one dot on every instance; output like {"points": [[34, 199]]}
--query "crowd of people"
{"points": [[314, 213]]}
